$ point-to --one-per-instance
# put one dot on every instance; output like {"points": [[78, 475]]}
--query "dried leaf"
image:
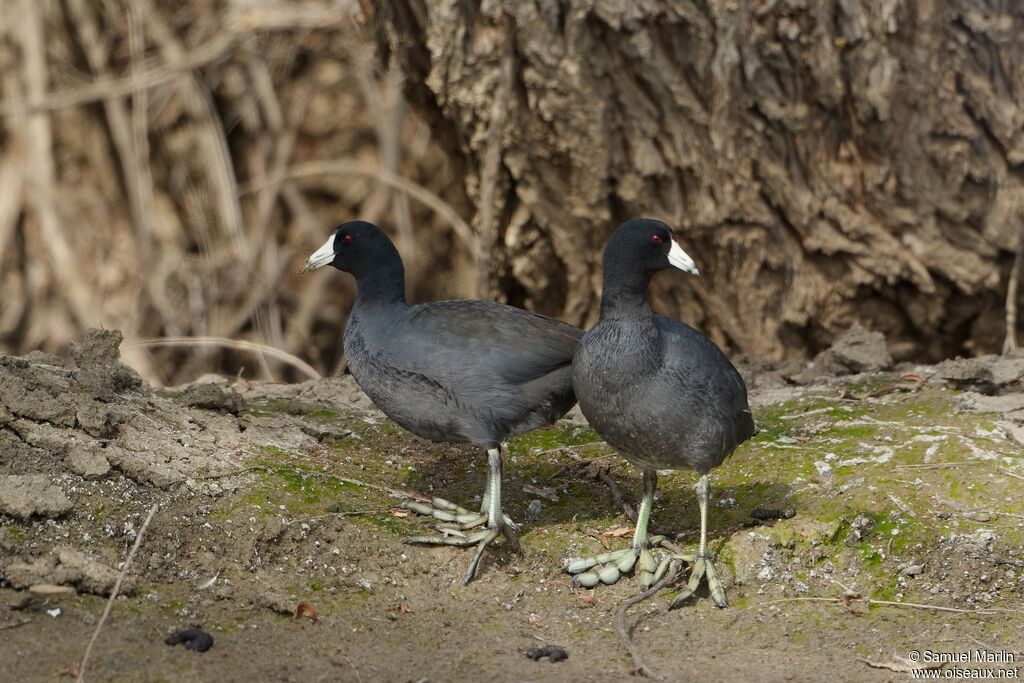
{"points": [[306, 610], [618, 531]]}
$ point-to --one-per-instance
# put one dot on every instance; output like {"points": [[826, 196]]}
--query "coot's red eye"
{"points": [[346, 239], [657, 239]]}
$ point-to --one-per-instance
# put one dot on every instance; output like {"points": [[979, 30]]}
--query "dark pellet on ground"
{"points": [[194, 639], [552, 652]]}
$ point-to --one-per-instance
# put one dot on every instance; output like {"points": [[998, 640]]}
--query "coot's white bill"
{"points": [[325, 254], [678, 258]]}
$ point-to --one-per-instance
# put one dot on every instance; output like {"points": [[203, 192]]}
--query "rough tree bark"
{"points": [[824, 162]]}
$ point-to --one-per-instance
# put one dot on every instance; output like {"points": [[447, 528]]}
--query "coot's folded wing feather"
{"points": [[488, 339], [706, 372]]}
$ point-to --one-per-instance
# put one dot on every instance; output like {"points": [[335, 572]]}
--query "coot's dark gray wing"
{"points": [[717, 416], [503, 366], [502, 341]]}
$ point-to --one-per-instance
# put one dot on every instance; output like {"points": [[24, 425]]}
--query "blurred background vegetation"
{"points": [[166, 166]]}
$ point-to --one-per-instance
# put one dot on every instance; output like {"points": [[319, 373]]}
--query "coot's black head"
{"points": [[646, 245], [356, 247]]}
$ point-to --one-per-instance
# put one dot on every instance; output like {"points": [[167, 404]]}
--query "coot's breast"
{"points": [[661, 395]]}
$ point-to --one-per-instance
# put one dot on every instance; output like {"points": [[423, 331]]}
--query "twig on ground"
{"points": [[231, 473], [890, 603], [113, 593], [239, 344], [627, 509], [359, 678], [385, 489], [347, 513], [620, 619], [939, 465], [15, 624], [1010, 474]]}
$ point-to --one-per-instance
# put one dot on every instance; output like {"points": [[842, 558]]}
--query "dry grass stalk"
{"points": [[113, 593], [411, 188], [41, 174], [237, 344]]}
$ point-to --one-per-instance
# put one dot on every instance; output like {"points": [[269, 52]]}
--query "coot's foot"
{"points": [[458, 520], [455, 517], [452, 535], [703, 568], [608, 568]]}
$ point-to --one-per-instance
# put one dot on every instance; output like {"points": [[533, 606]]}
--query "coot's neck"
{"points": [[381, 285], [624, 292]]}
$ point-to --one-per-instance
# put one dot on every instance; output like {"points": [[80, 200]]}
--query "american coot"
{"points": [[453, 371], [659, 392]]}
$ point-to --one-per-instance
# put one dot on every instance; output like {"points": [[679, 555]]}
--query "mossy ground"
{"points": [[877, 484]]}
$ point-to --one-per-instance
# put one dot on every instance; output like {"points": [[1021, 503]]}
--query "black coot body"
{"points": [[462, 371], [452, 371], [661, 393], [658, 391]]}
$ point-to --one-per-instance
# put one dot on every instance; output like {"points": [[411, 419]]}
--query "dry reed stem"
{"points": [[41, 172], [287, 17], [237, 344], [113, 594], [387, 110], [313, 296], [411, 188], [12, 187], [211, 140], [491, 168], [135, 172], [199, 56]]}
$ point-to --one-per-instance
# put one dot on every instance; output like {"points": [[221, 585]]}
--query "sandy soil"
{"points": [[906, 488]]}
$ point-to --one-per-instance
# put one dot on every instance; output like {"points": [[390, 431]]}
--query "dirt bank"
{"points": [[906, 486]]}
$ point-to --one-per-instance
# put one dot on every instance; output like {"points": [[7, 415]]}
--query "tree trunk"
{"points": [[823, 162]]}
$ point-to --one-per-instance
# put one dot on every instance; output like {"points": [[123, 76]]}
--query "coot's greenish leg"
{"points": [[460, 519], [704, 566]]}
